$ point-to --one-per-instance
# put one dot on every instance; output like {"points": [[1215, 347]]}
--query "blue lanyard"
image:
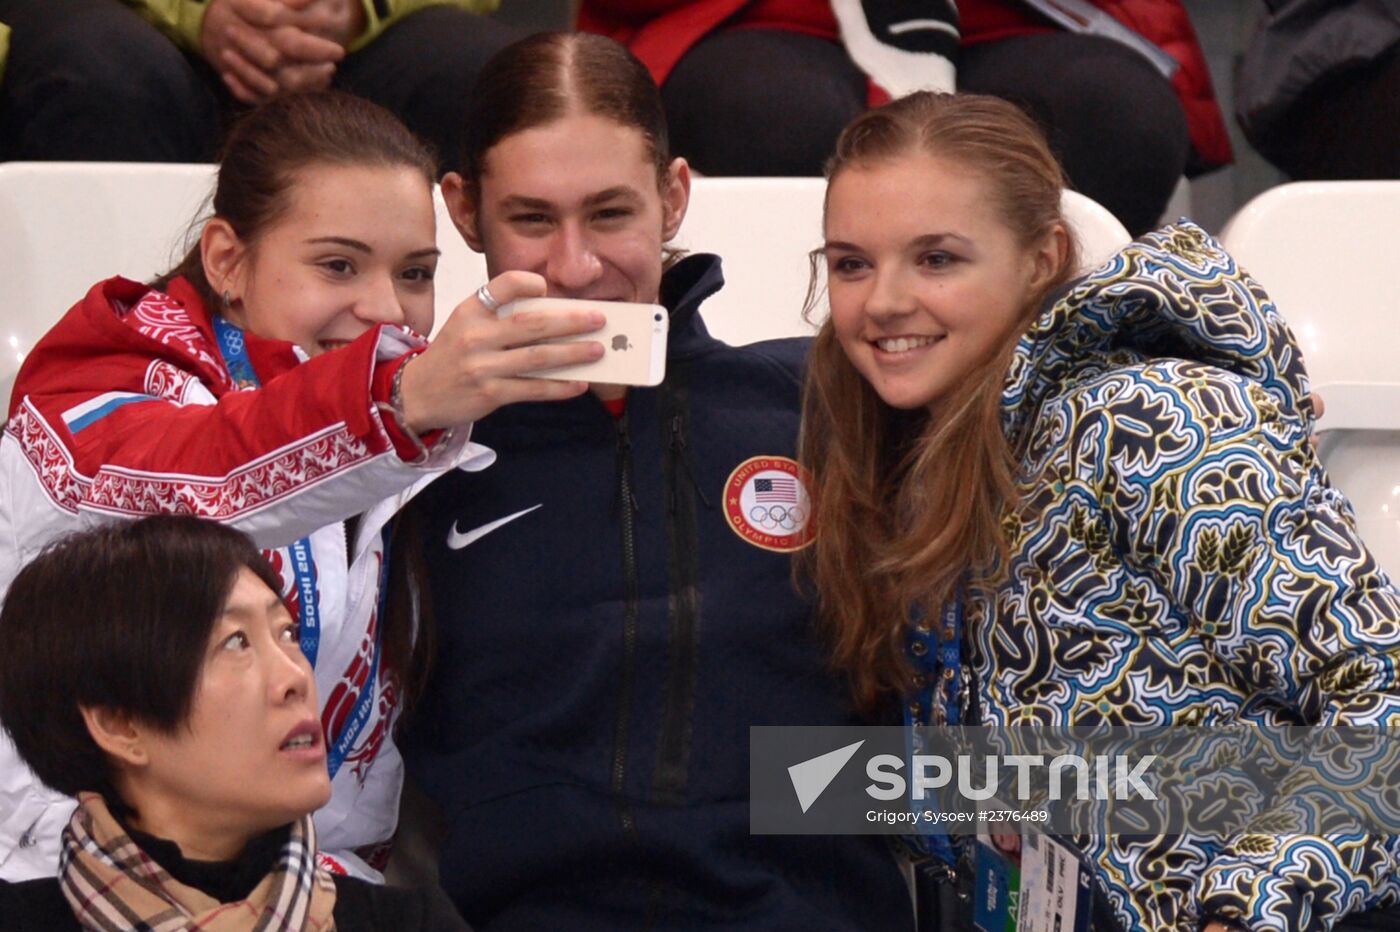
{"points": [[235, 354], [937, 657], [304, 566], [240, 368], [936, 653], [343, 744]]}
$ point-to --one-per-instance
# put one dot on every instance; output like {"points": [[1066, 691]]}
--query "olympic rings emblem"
{"points": [[766, 503]]}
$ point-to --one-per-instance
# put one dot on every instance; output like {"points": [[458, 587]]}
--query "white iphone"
{"points": [[634, 341]]}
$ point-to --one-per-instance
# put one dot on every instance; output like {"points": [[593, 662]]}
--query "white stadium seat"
{"points": [[67, 225], [1324, 251], [764, 229], [1099, 233]]}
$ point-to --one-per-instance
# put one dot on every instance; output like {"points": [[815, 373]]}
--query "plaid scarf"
{"points": [[113, 885]]}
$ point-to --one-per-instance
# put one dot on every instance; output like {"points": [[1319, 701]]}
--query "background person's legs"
{"points": [[422, 69], [765, 102], [761, 102], [89, 80], [1112, 118]]}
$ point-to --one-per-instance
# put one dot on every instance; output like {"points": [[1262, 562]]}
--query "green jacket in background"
{"points": [[182, 20]]}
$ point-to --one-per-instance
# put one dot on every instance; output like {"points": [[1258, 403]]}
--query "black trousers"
{"points": [[90, 80], [767, 102]]}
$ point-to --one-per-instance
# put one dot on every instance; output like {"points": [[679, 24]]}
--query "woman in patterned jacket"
{"points": [[1112, 476]]}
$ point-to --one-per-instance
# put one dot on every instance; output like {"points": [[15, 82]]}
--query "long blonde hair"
{"points": [[910, 507]]}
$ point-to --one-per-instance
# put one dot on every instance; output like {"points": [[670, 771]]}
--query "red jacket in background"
{"points": [[659, 32]]}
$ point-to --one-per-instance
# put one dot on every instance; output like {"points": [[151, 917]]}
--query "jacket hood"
{"points": [[1174, 293]]}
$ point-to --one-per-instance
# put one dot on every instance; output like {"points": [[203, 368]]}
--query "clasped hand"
{"points": [[265, 48]]}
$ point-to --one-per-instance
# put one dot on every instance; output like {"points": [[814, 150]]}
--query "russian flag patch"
{"points": [[95, 409]]}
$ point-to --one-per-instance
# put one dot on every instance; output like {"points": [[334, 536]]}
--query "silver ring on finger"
{"points": [[484, 295]]}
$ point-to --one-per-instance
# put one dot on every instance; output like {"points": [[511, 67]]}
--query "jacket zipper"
{"points": [[678, 451], [630, 571], [674, 742]]}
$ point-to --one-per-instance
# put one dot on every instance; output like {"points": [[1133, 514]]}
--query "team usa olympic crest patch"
{"points": [[767, 504]]}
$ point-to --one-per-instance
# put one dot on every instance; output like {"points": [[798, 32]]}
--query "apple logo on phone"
{"points": [[619, 342]]}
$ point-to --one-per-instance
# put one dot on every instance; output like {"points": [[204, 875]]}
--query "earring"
{"points": [[228, 302]]}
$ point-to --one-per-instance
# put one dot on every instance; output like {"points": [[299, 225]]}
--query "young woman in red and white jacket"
{"points": [[277, 380]]}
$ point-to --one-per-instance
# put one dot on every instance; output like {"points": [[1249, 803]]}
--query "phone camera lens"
{"points": [[657, 318]]}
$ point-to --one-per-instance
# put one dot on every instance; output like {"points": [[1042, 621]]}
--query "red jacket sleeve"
{"points": [[125, 408]]}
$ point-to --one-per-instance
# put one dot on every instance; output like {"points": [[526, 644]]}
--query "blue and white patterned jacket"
{"points": [[1180, 557]]}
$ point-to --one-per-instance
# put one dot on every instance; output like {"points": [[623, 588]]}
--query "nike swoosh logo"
{"points": [[456, 540]]}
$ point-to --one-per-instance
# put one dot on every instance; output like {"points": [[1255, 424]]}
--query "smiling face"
{"points": [[355, 247], [251, 755], [925, 279], [575, 200]]}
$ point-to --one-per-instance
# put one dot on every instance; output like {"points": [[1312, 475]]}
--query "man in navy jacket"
{"points": [[604, 649]]}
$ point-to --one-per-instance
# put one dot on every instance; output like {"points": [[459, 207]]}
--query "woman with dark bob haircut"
{"points": [[152, 671]]}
